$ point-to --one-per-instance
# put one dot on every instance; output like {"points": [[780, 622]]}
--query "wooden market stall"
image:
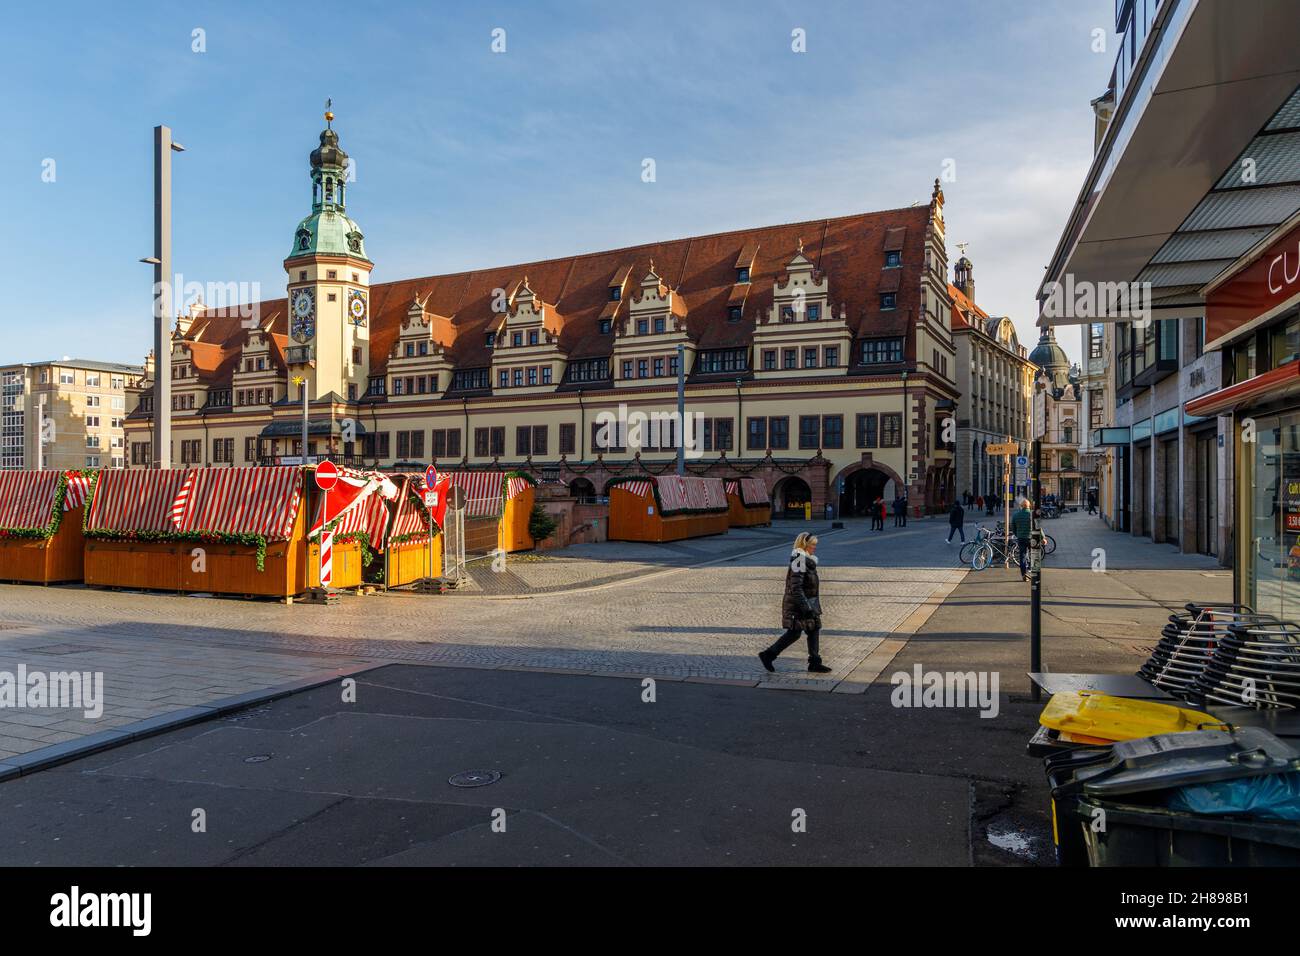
{"points": [[218, 530], [409, 556], [748, 502], [358, 518], [666, 508], [498, 503], [41, 513]]}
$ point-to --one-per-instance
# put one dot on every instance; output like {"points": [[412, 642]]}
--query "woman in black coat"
{"points": [[801, 609]]}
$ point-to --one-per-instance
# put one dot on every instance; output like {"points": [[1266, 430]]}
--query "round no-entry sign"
{"points": [[327, 475], [430, 476]]}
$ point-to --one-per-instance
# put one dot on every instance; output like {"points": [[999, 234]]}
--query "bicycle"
{"points": [[992, 549]]}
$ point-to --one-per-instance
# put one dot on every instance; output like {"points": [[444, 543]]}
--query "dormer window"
{"points": [[642, 327], [742, 274], [733, 313], [615, 293], [410, 349], [888, 300], [814, 313], [893, 259], [660, 324], [490, 339], [606, 326], [423, 348], [787, 313], [517, 339]]}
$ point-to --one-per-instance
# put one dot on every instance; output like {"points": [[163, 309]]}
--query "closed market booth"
{"points": [[218, 530], [409, 556], [41, 513], [358, 517], [666, 508], [498, 505], [748, 502]]}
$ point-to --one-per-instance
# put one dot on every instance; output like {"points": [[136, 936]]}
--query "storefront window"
{"points": [[1272, 572]]}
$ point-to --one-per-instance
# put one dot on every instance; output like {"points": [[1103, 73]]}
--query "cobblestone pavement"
{"points": [[660, 617]]}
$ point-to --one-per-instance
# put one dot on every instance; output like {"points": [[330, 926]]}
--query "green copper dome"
{"points": [[328, 230]]}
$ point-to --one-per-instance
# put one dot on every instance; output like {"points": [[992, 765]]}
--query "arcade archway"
{"points": [[789, 497], [861, 488]]}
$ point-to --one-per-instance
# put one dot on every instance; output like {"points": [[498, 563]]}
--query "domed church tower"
{"points": [[1051, 358], [328, 283]]}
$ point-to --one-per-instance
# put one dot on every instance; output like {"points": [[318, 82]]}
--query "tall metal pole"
{"points": [[303, 386], [162, 272], [907, 441], [681, 409]]}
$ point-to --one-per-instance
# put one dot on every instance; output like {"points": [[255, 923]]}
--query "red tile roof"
{"points": [[701, 270]]}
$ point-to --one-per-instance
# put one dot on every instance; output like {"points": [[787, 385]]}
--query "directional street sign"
{"points": [[1006, 448]]}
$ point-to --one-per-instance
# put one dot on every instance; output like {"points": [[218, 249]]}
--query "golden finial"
{"points": [[329, 113], [298, 380]]}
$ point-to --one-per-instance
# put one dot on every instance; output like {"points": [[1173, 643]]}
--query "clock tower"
{"points": [[329, 283]]}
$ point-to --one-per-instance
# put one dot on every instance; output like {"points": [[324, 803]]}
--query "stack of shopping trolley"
{"points": [[1227, 654]]}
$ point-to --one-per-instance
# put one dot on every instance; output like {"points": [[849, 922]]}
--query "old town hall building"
{"points": [[819, 356]]}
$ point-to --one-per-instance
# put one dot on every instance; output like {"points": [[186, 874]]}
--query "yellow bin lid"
{"points": [[1089, 714]]}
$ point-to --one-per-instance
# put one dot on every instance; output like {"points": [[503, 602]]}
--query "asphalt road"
{"points": [[590, 775]]}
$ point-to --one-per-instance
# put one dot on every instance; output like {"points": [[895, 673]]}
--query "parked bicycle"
{"points": [[994, 538]]}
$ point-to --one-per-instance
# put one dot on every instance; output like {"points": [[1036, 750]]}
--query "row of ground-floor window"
{"points": [[1174, 488]]}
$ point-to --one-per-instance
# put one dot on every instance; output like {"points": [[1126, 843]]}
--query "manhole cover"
{"points": [[257, 758], [474, 778]]}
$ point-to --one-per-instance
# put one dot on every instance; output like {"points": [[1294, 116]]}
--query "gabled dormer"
{"points": [[646, 340], [419, 363], [256, 381], [526, 353], [801, 334]]}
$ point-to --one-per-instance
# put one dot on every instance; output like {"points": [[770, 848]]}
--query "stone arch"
{"points": [[789, 495], [850, 503]]}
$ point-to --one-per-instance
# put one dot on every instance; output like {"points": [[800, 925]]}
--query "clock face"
{"points": [[303, 305], [357, 306]]}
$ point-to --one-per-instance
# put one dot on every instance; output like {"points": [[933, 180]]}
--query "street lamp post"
{"points": [[161, 260]]}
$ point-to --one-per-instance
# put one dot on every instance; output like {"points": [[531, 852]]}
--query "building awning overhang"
{"points": [[1104, 437], [1165, 201], [290, 428], [1269, 386]]}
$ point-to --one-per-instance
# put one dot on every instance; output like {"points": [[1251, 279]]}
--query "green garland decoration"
{"points": [[246, 540]]}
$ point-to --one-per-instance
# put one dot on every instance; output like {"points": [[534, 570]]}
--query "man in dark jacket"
{"points": [[1022, 523], [956, 522]]}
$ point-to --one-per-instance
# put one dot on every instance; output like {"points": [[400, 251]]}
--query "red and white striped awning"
{"points": [[483, 489], [638, 488], [261, 501], [688, 493], [78, 490], [27, 499], [750, 491], [350, 507], [411, 520], [135, 501]]}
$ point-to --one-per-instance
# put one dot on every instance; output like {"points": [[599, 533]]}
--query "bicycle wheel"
{"points": [[1049, 544], [967, 552], [982, 557]]}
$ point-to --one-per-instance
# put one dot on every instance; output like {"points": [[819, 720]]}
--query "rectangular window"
{"points": [[722, 434], [810, 357], [481, 443], [891, 430], [498, 441], [546, 375], [888, 300], [660, 324], [672, 365], [832, 431], [383, 448], [756, 431], [250, 448], [642, 368], [893, 260], [503, 378], [532, 337], [540, 439], [627, 368], [642, 326], [659, 367], [809, 431], [397, 386], [568, 439], [517, 377], [453, 442], [523, 440], [832, 354], [790, 358], [769, 359], [404, 445], [532, 375], [778, 432], [607, 437], [605, 326], [867, 425], [723, 360], [438, 443], [882, 351], [517, 339], [814, 313]]}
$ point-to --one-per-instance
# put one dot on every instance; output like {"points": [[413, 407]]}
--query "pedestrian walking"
{"points": [[1022, 522], [801, 608], [898, 511], [956, 522], [979, 503], [1092, 502], [902, 510]]}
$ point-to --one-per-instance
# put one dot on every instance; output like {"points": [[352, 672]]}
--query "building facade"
{"points": [[817, 355], [68, 413], [995, 379], [1060, 467]]}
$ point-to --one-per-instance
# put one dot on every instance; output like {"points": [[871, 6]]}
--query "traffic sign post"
{"points": [[430, 499], [327, 476]]}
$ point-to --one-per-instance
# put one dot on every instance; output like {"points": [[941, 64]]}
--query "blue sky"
{"points": [[468, 158]]}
